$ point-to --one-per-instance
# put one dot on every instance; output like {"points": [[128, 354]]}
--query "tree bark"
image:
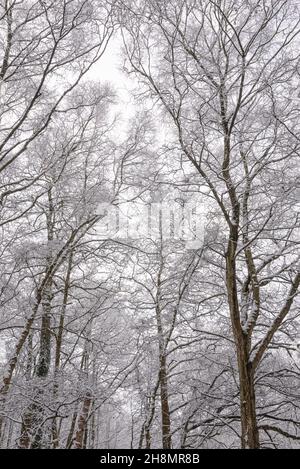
{"points": [[82, 421]]}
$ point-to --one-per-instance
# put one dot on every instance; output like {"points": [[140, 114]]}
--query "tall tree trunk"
{"points": [[82, 421], [34, 434], [71, 431], [55, 426], [162, 345], [32, 423], [165, 409], [250, 433], [83, 415]]}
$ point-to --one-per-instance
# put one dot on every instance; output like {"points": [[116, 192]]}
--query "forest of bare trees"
{"points": [[149, 254]]}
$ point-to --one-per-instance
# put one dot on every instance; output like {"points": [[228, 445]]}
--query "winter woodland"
{"points": [[149, 226]]}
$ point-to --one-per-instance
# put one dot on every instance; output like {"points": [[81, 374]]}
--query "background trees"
{"points": [[149, 263]]}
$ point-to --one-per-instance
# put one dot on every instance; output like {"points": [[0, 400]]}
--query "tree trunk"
{"points": [[250, 433], [59, 339], [165, 409], [162, 345], [82, 421], [33, 425]]}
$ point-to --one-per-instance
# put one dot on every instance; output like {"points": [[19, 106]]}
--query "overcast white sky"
{"points": [[109, 69]]}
